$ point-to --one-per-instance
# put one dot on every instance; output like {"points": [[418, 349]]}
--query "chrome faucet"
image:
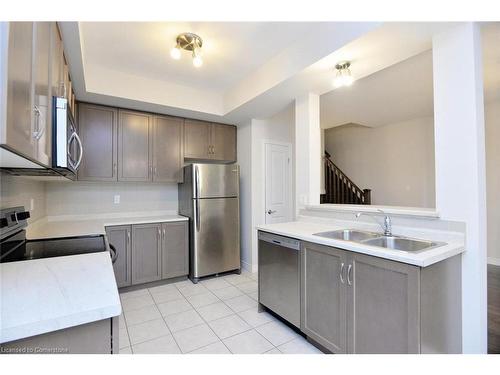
{"points": [[386, 227]]}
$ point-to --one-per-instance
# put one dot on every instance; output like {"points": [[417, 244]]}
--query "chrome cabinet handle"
{"points": [[80, 156], [37, 133], [270, 212], [349, 270], [341, 273], [154, 172], [128, 237], [159, 232], [163, 233]]}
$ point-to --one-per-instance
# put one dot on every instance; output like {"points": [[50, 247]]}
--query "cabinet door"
{"points": [[98, 130], [120, 238], [41, 91], [383, 306], [168, 143], [196, 139], [324, 296], [223, 141], [134, 151], [19, 131], [146, 253], [175, 249], [57, 61]]}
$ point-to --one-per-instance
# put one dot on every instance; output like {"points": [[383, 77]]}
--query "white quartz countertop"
{"points": [[304, 231], [45, 295], [83, 225]]}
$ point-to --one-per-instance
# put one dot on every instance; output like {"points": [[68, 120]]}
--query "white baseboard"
{"points": [[494, 261]]}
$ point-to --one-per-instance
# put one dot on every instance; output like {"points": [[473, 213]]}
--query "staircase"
{"points": [[339, 188]]}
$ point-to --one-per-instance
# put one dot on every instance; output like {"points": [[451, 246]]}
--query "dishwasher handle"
{"points": [[290, 243]]}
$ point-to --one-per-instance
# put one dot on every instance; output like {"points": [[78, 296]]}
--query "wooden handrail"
{"points": [[340, 188]]}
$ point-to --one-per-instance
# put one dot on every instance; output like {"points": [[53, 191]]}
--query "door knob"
{"points": [[271, 212]]}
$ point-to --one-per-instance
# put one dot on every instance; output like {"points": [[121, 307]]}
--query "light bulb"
{"points": [[197, 60], [175, 53]]}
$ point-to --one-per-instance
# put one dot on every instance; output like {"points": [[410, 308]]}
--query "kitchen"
{"points": [[153, 202]]}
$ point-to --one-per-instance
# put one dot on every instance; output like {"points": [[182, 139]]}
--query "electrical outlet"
{"points": [[117, 199], [32, 204]]}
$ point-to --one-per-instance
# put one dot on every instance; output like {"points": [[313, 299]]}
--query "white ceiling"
{"points": [[403, 91], [231, 50]]}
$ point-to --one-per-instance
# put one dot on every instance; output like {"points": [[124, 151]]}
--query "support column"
{"points": [[307, 151], [460, 165]]}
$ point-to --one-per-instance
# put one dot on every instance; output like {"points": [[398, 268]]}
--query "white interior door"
{"points": [[277, 183]]}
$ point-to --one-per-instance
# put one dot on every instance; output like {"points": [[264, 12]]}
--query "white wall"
{"points": [[492, 120], [20, 191], [79, 198], [251, 137], [396, 161]]}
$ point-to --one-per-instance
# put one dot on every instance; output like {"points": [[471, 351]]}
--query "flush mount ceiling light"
{"points": [[188, 42], [343, 76]]}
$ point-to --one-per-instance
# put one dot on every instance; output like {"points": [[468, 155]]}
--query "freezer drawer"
{"points": [[216, 237], [279, 276]]}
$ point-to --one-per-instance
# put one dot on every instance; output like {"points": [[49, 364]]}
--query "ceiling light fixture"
{"points": [[343, 76], [188, 42]]}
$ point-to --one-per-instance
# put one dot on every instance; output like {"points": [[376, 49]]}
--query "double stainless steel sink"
{"points": [[379, 240]]}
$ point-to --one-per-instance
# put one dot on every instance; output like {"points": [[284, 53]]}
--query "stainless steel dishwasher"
{"points": [[279, 275]]}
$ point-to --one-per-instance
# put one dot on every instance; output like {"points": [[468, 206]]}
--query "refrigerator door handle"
{"points": [[197, 208], [197, 181]]}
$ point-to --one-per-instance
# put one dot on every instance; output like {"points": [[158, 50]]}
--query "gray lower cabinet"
{"points": [[361, 304], [146, 253], [98, 130], [100, 337], [149, 252], [175, 249], [120, 238], [134, 151], [324, 296]]}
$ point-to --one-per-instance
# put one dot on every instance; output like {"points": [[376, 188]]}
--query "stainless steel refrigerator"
{"points": [[209, 196]]}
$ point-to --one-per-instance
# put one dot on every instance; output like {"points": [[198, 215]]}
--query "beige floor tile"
{"points": [[126, 350], [121, 321], [183, 320], [229, 326], [214, 311], [200, 300], [277, 333], [174, 307], [192, 290], [256, 318], [248, 287], [215, 283], [249, 342], [195, 337], [254, 296], [162, 288], [273, 351], [142, 315], [237, 279], [183, 283], [135, 303], [134, 293], [167, 295], [241, 303], [147, 331], [215, 348], [160, 345], [227, 293], [123, 339], [299, 346]]}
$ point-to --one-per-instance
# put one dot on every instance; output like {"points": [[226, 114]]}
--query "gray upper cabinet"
{"points": [[208, 141], [196, 139], [175, 249], [98, 129], [57, 61], [134, 151], [19, 124], [223, 140], [324, 296], [120, 238], [146, 253], [168, 143], [383, 306]]}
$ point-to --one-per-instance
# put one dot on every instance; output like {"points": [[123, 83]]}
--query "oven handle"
{"points": [[114, 253]]}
